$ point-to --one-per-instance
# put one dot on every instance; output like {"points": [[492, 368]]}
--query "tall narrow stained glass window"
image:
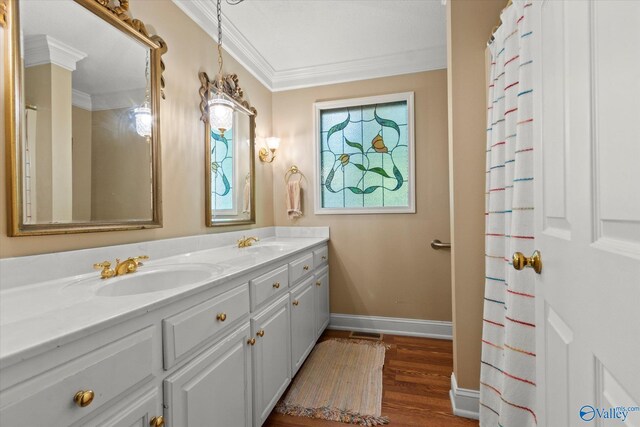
{"points": [[222, 160], [365, 155]]}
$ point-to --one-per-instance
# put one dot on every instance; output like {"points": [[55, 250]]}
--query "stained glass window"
{"points": [[365, 159], [222, 171]]}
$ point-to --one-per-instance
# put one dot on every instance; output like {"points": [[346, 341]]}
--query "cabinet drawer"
{"points": [[320, 256], [300, 268], [269, 285], [186, 331], [107, 371]]}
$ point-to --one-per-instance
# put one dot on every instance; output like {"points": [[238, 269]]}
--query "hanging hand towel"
{"points": [[246, 196], [293, 199]]}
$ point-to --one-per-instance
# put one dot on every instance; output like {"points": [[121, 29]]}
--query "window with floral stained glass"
{"points": [[222, 173], [365, 155]]}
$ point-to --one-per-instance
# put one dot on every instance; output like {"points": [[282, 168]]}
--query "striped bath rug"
{"points": [[340, 381]]}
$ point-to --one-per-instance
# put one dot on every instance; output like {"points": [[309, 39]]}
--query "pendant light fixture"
{"points": [[220, 108], [142, 114]]}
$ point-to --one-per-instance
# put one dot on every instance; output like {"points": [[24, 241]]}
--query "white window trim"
{"points": [[353, 102]]}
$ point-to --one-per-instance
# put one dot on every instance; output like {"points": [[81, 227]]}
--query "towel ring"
{"points": [[293, 170]]}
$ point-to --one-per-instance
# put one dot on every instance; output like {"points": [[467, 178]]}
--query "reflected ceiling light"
{"points": [[220, 108], [142, 114]]}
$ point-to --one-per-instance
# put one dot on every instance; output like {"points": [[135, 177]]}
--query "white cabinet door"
{"points": [[303, 323], [214, 389], [139, 410], [271, 357], [587, 226], [322, 301]]}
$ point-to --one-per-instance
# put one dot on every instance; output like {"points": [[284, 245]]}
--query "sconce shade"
{"points": [[143, 118], [273, 143], [221, 114]]}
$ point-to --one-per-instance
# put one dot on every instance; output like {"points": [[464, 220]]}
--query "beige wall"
{"points": [[469, 25], [81, 127], [121, 168], [190, 51], [381, 265]]}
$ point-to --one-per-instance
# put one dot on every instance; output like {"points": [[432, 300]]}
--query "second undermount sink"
{"points": [[154, 280]]}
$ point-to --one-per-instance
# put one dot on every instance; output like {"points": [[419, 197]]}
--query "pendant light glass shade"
{"points": [[221, 114], [142, 115]]}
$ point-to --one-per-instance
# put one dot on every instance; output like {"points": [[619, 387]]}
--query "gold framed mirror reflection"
{"points": [[229, 157], [83, 83]]}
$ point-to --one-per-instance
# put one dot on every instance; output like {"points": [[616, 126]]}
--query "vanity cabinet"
{"points": [[271, 357], [303, 323], [214, 389], [322, 311], [220, 356]]}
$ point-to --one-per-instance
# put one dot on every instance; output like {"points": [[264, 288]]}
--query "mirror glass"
{"points": [[87, 129], [229, 155], [231, 179]]}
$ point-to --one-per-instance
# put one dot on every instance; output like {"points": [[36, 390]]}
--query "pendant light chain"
{"points": [[219, 42]]}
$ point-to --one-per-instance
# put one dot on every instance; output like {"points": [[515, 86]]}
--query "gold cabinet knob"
{"points": [[221, 317], [306, 267], [84, 398], [157, 421], [295, 302], [251, 341], [534, 261], [318, 283], [276, 285], [260, 333]]}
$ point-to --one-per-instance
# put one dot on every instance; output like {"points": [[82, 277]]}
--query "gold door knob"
{"points": [[534, 261], [276, 285], [260, 333], [84, 398], [318, 283], [157, 421], [221, 317], [306, 267], [251, 341], [295, 302]]}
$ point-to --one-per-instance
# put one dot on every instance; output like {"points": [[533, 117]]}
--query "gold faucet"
{"points": [[130, 265], [246, 241]]}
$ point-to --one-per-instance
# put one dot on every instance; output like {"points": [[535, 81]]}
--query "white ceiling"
{"points": [[115, 62], [299, 43]]}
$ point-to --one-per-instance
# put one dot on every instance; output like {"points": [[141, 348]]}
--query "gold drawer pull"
{"points": [[318, 283], [251, 341], [221, 317], [260, 333], [276, 285], [84, 398], [157, 421], [295, 302], [306, 267], [324, 258]]}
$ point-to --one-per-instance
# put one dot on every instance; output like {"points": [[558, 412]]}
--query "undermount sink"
{"points": [[145, 280]]}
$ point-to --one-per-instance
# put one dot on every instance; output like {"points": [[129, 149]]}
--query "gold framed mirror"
{"points": [[229, 157], [83, 82]]}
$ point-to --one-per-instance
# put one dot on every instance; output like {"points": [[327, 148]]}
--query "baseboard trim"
{"points": [[392, 325], [465, 402]]}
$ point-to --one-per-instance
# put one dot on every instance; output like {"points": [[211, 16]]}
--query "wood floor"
{"points": [[417, 378]]}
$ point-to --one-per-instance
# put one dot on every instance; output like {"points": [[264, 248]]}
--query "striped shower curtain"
{"points": [[507, 380]]}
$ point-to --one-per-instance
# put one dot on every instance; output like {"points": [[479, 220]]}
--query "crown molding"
{"points": [[203, 13], [43, 49], [81, 100]]}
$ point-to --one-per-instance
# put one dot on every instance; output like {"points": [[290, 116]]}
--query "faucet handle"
{"points": [[102, 265], [137, 259]]}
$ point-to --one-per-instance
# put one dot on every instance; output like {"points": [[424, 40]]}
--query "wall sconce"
{"points": [[268, 156]]}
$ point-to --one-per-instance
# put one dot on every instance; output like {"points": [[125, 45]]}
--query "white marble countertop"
{"points": [[35, 317]]}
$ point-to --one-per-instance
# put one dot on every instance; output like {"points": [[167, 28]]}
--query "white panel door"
{"points": [[271, 357], [587, 183], [214, 389]]}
